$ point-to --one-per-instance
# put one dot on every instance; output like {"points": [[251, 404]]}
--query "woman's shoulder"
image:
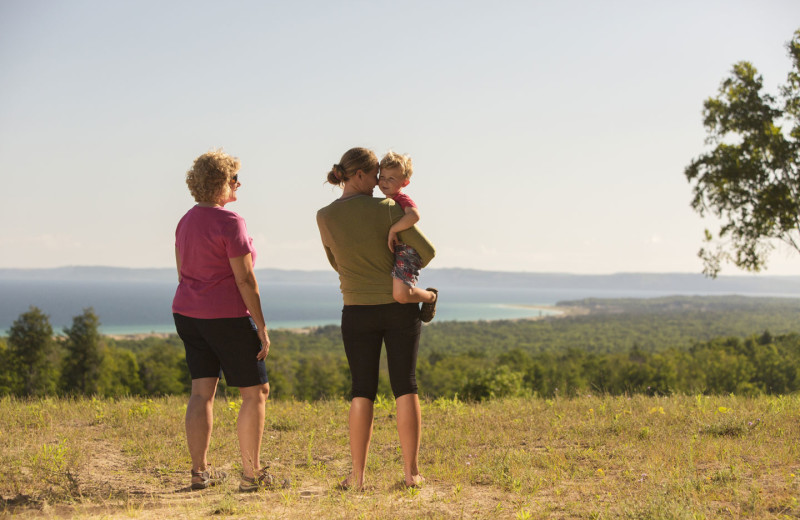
{"points": [[230, 214], [216, 217], [376, 201], [355, 203], [223, 214], [212, 211]]}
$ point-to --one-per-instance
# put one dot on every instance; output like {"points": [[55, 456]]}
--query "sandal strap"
{"points": [[262, 477], [209, 472]]}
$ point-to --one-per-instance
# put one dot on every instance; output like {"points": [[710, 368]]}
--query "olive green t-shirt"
{"points": [[354, 232]]}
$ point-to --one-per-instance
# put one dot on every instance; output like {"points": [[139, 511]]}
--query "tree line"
{"points": [[656, 346], [34, 362]]}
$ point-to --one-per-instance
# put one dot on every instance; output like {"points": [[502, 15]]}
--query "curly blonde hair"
{"points": [[353, 160], [209, 178], [395, 160]]}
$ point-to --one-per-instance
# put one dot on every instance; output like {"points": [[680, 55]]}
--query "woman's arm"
{"points": [[248, 287], [323, 232], [178, 263], [331, 258], [407, 221]]}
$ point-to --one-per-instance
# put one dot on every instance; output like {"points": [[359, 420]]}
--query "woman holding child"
{"points": [[355, 229]]}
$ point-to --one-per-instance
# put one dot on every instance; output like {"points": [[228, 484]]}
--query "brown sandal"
{"points": [[264, 480], [209, 477]]}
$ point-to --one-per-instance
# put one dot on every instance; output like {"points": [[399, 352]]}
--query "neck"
{"points": [[350, 190]]}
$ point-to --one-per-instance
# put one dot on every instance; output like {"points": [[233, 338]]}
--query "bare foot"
{"points": [[415, 481], [348, 483]]}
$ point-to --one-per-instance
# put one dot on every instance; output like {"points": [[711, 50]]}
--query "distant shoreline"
{"points": [[140, 335], [136, 302], [553, 311]]}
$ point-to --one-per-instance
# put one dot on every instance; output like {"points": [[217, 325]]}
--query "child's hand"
{"points": [[392, 240]]}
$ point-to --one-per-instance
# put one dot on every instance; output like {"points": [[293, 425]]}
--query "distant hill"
{"points": [[678, 282], [154, 275], [453, 277]]}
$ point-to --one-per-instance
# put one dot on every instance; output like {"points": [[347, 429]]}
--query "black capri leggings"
{"points": [[364, 329]]}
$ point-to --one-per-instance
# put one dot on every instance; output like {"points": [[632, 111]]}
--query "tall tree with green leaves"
{"points": [[163, 370], [121, 370], [750, 179], [33, 354], [8, 372], [84, 354]]}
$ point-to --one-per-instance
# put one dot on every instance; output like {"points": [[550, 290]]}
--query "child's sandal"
{"points": [[428, 310]]}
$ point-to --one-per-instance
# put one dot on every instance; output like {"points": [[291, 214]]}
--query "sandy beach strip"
{"points": [[551, 311]]}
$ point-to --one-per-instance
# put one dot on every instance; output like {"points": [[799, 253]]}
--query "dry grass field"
{"points": [[691, 457]]}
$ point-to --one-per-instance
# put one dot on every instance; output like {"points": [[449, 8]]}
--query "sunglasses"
{"points": [[235, 178]]}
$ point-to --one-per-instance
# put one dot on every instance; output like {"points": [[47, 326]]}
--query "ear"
{"points": [[405, 182]]}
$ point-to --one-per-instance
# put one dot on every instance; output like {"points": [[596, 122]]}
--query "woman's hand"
{"points": [[264, 337]]}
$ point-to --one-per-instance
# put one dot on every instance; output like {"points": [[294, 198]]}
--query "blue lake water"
{"points": [[132, 308], [142, 307]]}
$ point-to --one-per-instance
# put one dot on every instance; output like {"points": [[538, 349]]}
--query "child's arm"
{"points": [[407, 221]]}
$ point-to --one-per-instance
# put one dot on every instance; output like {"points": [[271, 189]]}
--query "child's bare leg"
{"points": [[402, 293]]}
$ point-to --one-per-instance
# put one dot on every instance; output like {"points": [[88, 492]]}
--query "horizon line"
{"points": [[500, 271]]}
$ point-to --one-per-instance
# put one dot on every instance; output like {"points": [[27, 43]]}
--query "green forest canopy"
{"points": [[657, 346]]}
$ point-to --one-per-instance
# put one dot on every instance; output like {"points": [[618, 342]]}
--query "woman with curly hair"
{"points": [[217, 311], [354, 230]]}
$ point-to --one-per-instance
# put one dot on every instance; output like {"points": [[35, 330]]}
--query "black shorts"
{"points": [[364, 329], [222, 345]]}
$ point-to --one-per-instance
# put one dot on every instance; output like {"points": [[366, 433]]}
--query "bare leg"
{"points": [[361, 413], [200, 420], [409, 428], [402, 293], [250, 426]]}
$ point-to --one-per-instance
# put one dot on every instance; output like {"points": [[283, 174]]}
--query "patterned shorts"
{"points": [[407, 264]]}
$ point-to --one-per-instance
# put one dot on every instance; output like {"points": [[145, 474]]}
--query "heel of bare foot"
{"points": [[350, 482], [414, 481]]}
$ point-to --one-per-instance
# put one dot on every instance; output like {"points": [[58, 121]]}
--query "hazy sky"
{"points": [[546, 136]]}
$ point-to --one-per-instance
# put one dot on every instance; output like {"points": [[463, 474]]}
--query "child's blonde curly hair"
{"points": [[394, 160], [209, 178]]}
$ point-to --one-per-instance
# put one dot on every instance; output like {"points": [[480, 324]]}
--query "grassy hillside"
{"points": [[586, 457]]}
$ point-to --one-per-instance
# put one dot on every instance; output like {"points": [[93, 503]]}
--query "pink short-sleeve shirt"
{"points": [[206, 238], [404, 201]]}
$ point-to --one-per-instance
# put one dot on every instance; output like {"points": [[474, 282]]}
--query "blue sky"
{"points": [[546, 136]]}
